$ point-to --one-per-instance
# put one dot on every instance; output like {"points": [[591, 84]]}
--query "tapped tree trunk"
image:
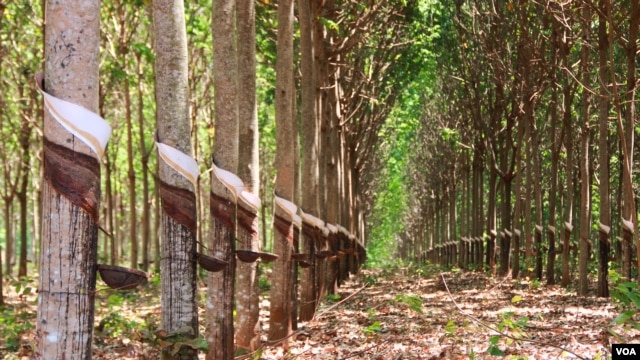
{"points": [[280, 312], [225, 155], [309, 145], [177, 193], [71, 195], [247, 292]]}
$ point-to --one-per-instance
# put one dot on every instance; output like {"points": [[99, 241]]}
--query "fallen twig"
{"points": [[363, 351], [337, 304], [482, 323]]}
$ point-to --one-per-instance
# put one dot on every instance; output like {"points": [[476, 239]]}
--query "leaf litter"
{"points": [[376, 315]]}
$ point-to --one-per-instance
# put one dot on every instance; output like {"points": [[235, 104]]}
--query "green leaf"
{"points": [[451, 327], [198, 344], [493, 350], [373, 328], [516, 299], [494, 339], [623, 317]]}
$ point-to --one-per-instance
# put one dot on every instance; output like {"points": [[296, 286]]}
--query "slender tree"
{"points": [[280, 312], [177, 193], [247, 292], [603, 154], [309, 147], [585, 193], [220, 333], [71, 186]]}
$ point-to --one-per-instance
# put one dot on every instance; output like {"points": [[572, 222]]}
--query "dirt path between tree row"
{"points": [[376, 315], [402, 316]]}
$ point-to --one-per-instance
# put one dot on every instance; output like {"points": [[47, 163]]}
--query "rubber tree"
{"points": [[177, 188], [247, 292], [286, 135], [220, 291], [71, 184]]}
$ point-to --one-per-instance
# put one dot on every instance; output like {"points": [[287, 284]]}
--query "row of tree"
{"points": [[528, 142], [163, 79]]}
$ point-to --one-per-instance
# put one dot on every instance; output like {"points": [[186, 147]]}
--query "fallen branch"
{"points": [[482, 323]]}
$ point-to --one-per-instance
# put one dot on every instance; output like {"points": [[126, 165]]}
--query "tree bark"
{"points": [[69, 231], [286, 135], [310, 170], [220, 330], [247, 292], [603, 154], [585, 196], [177, 193], [145, 219]]}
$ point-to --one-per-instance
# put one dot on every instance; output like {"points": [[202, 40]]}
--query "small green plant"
{"points": [[373, 328], [332, 298], [115, 325], [628, 296], [535, 284], [371, 313], [450, 328], [264, 284], [174, 342], [115, 300], [23, 286], [12, 325], [614, 276], [494, 349], [510, 325], [155, 280], [413, 301], [369, 280]]}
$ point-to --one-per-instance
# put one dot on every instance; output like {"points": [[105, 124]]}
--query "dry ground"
{"points": [[398, 314]]}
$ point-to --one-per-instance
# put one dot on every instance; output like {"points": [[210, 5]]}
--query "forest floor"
{"points": [[400, 314]]}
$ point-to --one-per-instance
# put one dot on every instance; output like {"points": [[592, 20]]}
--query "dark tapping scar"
{"points": [[74, 175], [222, 209], [246, 218], [180, 205]]}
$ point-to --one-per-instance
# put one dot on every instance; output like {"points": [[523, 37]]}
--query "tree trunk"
{"points": [[309, 147], [630, 113], [585, 245], [145, 219], [280, 313], [568, 206], [491, 222], [110, 209], [603, 155], [537, 195], [220, 291], [177, 192], [131, 176], [505, 241], [247, 292], [25, 163], [8, 231], [71, 192]]}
